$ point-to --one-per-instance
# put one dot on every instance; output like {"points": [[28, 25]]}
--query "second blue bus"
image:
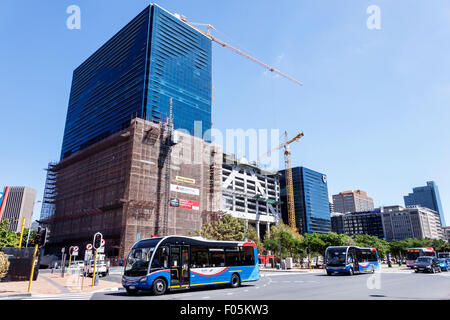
{"points": [[350, 260]]}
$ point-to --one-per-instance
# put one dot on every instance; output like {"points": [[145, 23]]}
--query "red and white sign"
{"points": [[103, 242], [75, 248], [89, 246], [182, 189], [184, 204]]}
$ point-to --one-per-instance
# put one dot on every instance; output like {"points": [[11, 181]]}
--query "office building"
{"points": [[312, 208], [428, 197], [155, 57], [352, 201], [17, 203], [368, 222], [412, 222], [251, 193], [122, 187], [446, 232]]}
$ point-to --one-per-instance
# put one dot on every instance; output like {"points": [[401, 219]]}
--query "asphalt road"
{"points": [[311, 286]]}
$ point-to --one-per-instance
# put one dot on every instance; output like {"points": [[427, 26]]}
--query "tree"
{"points": [[368, 241], [7, 238], [229, 228], [289, 240], [25, 237]]}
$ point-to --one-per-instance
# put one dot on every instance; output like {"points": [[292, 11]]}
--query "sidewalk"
{"points": [[54, 284]]}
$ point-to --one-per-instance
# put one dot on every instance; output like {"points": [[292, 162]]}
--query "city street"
{"points": [[317, 286]]}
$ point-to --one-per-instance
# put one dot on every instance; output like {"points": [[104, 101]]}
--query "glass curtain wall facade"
{"points": [[153, 58], [312, 208], [428, 197]]}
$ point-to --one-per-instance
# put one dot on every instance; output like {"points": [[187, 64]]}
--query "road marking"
{"points": [[61, 296]]}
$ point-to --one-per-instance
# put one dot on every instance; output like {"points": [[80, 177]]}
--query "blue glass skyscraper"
{"points": [[153, 58], [428, 197], [312, 207]]}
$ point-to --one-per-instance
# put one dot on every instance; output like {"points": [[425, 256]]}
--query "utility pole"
{"points": [[168, 147]]}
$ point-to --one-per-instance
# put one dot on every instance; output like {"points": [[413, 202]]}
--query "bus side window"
{"points": [[232, 258], [247, 256], [199, 257]]}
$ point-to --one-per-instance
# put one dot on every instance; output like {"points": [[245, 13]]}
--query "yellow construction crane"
{"points": [[288, 170], [224, 44]]}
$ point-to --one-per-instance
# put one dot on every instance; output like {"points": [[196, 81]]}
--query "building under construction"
{"points": [[123, 187], [251, 193]]}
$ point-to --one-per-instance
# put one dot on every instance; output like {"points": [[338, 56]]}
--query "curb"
{"points": [[19, 295]]}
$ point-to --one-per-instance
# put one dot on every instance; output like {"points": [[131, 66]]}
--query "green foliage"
{"points": [[289, 239], [25, 237], [230, 228], [7, 238], [398, 247], [367, 241], [4, 265]]}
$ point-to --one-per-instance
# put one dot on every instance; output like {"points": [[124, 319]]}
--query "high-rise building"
{"points": [[17, 203], [352, 201], [155, 57], [428, 197], [412, 222], [312, 208], [251, 193]]}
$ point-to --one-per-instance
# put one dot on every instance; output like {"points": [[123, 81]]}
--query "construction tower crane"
{"points": [[288, 171], [224, 44]]}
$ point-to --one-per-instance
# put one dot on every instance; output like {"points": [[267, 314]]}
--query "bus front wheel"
{"points": [[350, 272], [159, 286], [235, 280]]}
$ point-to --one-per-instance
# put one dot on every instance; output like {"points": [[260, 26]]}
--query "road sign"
{"points": [[89, 246], [101, 250], [103, 242]]}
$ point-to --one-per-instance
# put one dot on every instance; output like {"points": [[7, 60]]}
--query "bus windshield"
{"points": [[137, 262], [336, 256]]}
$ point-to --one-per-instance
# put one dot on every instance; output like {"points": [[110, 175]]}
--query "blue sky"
{"points": [[374, 107]]}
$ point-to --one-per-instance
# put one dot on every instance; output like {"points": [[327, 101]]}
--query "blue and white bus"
{"points": [[176, 262], [351, 260]]}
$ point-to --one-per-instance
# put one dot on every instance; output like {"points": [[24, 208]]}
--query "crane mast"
{"points": [[289, 184]]}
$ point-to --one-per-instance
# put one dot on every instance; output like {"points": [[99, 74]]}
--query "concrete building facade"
{"points": [[411, 222], [352, 201], [251, 193], [121, 186], [17, 203]]}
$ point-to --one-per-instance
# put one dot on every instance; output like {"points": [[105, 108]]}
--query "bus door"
{"points": [[179, 266], [353, 258]]}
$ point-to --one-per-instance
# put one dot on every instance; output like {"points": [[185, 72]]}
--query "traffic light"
{"points": [[41, 236], [98, 237]]}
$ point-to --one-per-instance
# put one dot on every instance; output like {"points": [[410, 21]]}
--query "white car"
{"points": [[101, 268], [77, 264]]}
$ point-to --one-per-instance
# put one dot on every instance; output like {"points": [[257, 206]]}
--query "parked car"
{"points": [[77, 264], [443, 262], [427, 264], [101, 268]]}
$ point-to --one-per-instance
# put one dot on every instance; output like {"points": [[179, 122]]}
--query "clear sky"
{"points": [[374, 107]]}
